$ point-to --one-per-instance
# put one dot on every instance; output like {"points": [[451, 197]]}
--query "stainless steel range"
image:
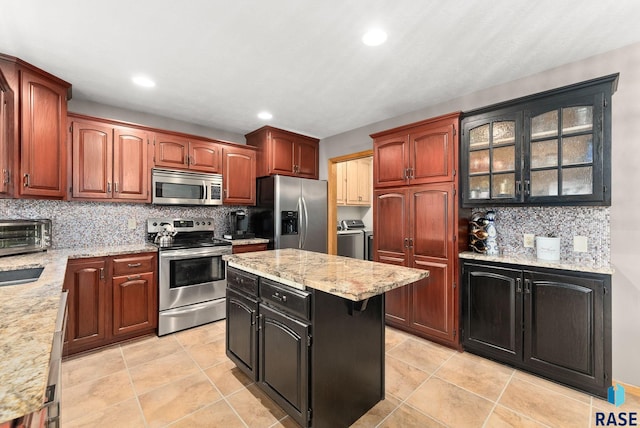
{"points": [[192, 279]]}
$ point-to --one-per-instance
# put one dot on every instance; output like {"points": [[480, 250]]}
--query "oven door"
{"points": [[191, 276]]}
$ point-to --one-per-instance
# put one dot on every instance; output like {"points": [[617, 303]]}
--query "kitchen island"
{"points": [[309, 329]]}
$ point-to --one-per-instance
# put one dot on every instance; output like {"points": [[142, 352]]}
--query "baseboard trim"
{"points": [[629, 389]]}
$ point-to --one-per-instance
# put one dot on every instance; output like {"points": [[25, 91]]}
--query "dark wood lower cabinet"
{"points": [[551, 322], [110, 299], [319, 356]]}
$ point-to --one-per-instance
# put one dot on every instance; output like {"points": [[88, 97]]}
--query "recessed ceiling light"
{"points": [[374, 37], [143, 81], [265, 115]]}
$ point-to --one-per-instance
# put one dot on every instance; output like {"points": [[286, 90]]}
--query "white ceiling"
{"points": [[218, 63]]}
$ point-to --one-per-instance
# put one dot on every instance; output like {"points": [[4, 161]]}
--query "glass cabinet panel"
{"points": [[479, 162], [479, 187], [577, 119], [545, 125], [503, 186], [504, 159], [577, 181], [504, 132], [544, 183], [479, 137], [577, 150], [544, 154]]}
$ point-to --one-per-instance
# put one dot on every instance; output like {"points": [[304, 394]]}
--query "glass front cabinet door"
{"points": [[552, 148]]}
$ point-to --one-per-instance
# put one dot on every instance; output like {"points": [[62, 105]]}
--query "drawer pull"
{"points": [[277, 296], [133, 277], [134, 265]]}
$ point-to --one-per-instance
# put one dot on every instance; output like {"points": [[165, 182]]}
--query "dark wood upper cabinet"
{"points": [[181, 152], [419, 153], [285, 153], [239, 175], [551, 148], [109, 162]]}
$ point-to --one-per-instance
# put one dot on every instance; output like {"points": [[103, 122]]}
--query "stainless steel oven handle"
{"points": [[194, 252]]}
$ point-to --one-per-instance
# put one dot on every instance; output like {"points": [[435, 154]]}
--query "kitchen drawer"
{"points": [[242, 281], [135, 264], [288, 299]]}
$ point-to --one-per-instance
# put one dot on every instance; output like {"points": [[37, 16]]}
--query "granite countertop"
{"points": [[349, 278], [27, 323], [247, 241], [533, 261]]}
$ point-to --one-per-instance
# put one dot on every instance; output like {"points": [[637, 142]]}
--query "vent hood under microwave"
{"points": [[172, 187]]}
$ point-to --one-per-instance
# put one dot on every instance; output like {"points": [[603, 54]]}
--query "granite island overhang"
{"points": [[308, 328]]}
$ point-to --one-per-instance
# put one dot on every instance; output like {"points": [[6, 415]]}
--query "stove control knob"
{"points": [[197, 223], [155, 223], [209, 223]]}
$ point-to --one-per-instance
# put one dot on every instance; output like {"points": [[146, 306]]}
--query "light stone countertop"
{"points": [[349, 278], [247, 241], [533, 261], [27, 323]]}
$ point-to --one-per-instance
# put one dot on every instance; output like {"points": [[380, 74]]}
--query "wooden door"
{"points": [[131, 165], [564, 327], [390, 217], [205, 156], [306, 159], [87, 304], [492, 311], [242, 333], [364, 180], [353, 189], [6, 97], [92, 159], [433, 153], [282, 148], [171, 151], [239, 176], [432, 228], [134, 303], [390, 160], [341, 183], [43, 165]]}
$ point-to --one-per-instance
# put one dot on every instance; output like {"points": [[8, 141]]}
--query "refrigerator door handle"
{"points": [[306, 222], [300, 214]]}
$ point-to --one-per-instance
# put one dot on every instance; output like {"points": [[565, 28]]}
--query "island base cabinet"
{"points": [[242, 332], [554, 323]]}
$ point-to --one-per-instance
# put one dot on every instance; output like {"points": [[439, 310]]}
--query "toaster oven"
{"points": [[24, 236]]}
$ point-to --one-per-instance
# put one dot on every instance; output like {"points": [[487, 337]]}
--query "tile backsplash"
{"points": [[86, 224], [563, 222]]}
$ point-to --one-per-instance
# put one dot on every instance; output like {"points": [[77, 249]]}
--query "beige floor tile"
{"points": [[553, 386], [91, 366], [122, 415], [177, 399], [501, 417], [401, 379], [150, 348], [287, 422], [255, 408], [421, 354], [161, 371], [377, 413], [218, 414], [227, 377], [209, 354], [200, 335], [450, 404], [544, 405], [476, 374], [393, 338], [95, 395], [408, 417]]}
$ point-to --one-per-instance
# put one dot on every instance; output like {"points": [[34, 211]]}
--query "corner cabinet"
{"points": [[36, 119], [551, 148], [284, 153], [110, 299], [554, 323], [108, 162]]}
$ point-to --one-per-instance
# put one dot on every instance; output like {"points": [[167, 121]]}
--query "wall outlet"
{"points": [[580, 244], [529, 240], [131, 223]]}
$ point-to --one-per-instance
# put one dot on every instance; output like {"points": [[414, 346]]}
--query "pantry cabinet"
{"points": [[110, 299], [239, 175], [550, 322], [108, 162], [417, 225], [552, 148], [181, 152], [284, 153], [35, 130], [358, 183]]}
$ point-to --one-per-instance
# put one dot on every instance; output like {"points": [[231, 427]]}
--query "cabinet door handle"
{"points": [[527, 187], [108, 187], [527, 286], [518, 285], [101, 273], [410, 242], [115, 187], [518, 187], [134, 265], [412, 173], [26, 180], [406, 173], [5, 176], [406, 242]]}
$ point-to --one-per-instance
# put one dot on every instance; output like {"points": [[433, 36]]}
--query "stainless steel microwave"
{"points": [[185, 188]]}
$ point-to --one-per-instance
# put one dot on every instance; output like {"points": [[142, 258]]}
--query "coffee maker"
{"points": [[239, 222]]}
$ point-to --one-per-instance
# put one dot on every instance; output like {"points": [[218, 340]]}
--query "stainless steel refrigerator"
{"points": [[292, 212]]}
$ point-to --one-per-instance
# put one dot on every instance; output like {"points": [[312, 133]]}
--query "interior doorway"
{"points": [[332, 207]]}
